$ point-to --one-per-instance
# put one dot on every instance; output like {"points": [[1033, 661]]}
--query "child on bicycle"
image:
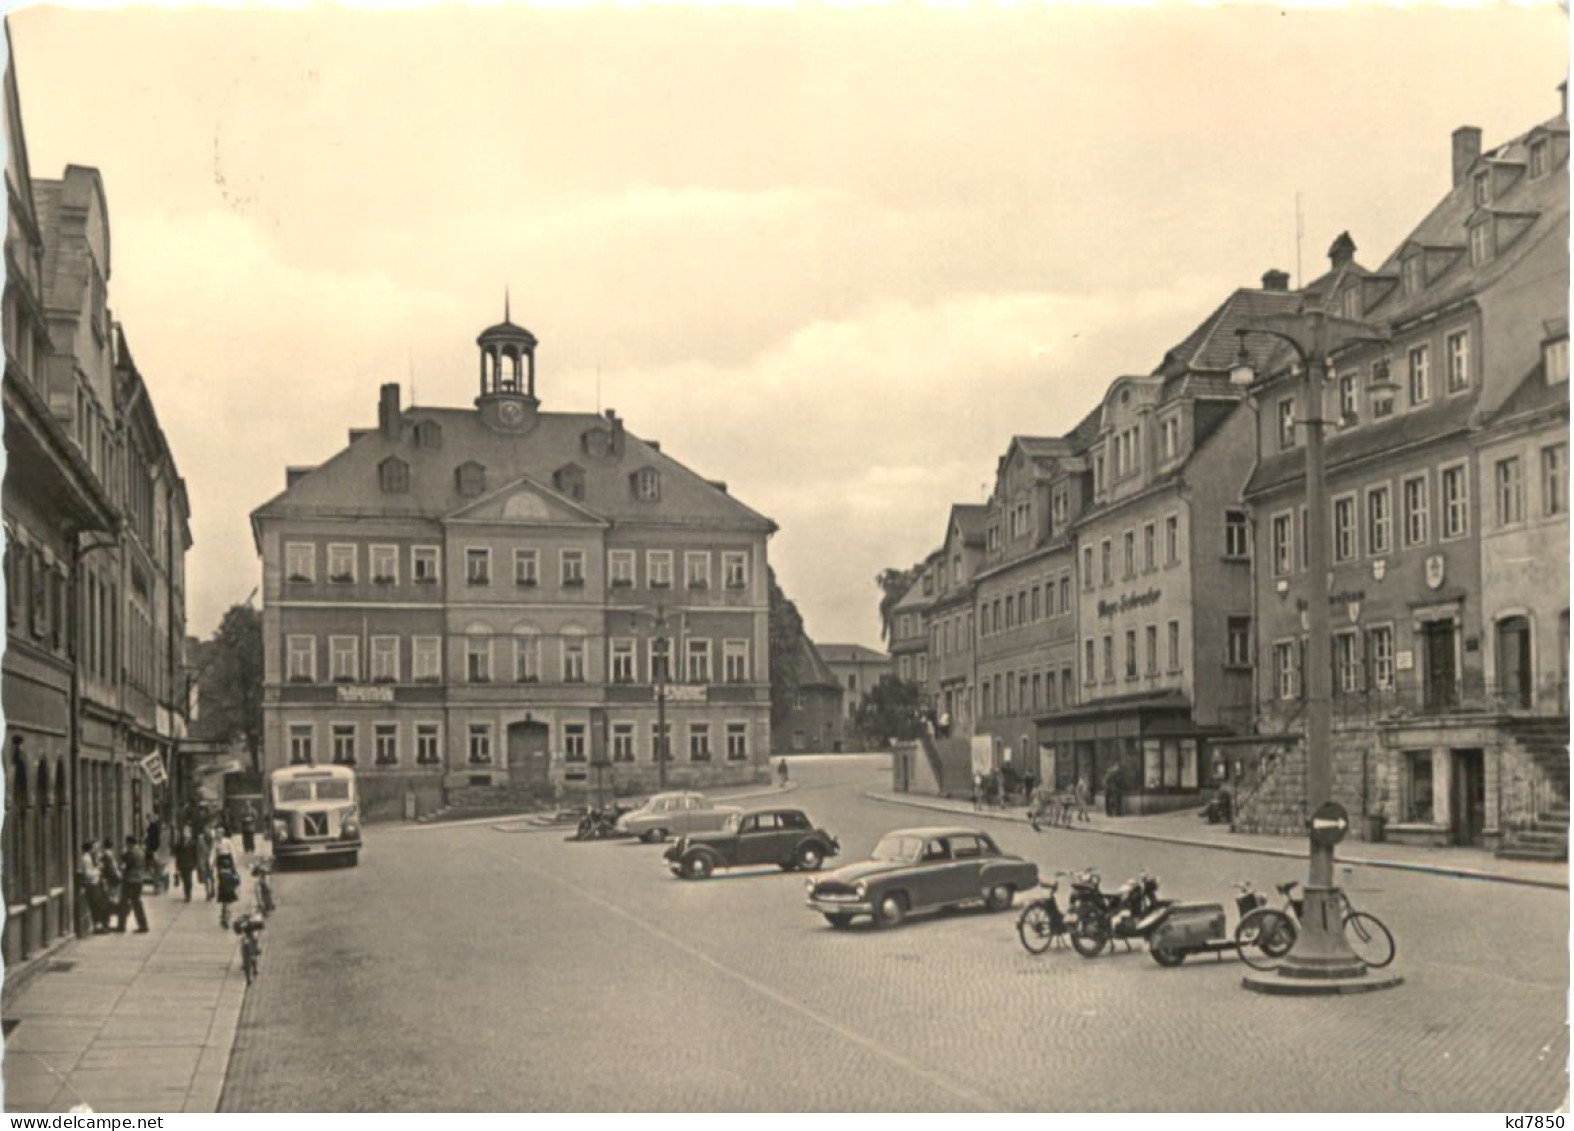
{"points": [[229, 885]]}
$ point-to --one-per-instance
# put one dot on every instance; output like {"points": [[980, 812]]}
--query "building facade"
{"points": [[856, 669], [97, 528], [1445, 470], [953, 661], [502, 597]]}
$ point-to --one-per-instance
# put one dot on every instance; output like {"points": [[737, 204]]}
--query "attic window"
{"points": [[1414, 275], [597, 442], [470, 478], [1482, 186], [1350, 302], [1538, 158], [647, 484], [1480, 243], [570, 481], [1555, 360], [393, 474], [429, 435]]}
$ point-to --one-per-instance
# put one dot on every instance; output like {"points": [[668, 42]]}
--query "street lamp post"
{"points": [[660, 654], [1321, 961]]}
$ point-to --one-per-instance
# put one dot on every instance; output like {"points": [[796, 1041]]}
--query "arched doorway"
{"points": [[1513, 661], [529, 757]]}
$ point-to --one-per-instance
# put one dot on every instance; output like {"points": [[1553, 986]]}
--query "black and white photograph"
{"points": [[787, 557]]}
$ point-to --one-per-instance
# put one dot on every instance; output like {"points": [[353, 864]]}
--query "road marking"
{"points": [[967, 1095]]}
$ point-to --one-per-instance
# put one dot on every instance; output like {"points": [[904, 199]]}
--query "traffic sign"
{"points": [[1329, 824]]}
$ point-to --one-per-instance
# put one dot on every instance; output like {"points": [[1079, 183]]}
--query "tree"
{"points": [[230, 708], [786, 649], [894, 584], [891, 709]]}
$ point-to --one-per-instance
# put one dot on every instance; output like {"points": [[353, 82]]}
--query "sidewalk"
{"points": [[1186, 827], [131, 1023]]}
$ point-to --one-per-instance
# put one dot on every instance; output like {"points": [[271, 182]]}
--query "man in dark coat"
{"points": [[1114, 789], [133, 866]]}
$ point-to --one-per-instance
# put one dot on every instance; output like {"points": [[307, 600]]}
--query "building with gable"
{"points": [[1447, 477], [503, 600], [953, 666], [856, 669]]}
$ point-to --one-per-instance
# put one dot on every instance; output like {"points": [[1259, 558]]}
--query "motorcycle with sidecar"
{"points": [[1180, 930]]}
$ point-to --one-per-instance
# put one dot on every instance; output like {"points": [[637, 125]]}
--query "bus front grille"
{"points": [[314, 824]]}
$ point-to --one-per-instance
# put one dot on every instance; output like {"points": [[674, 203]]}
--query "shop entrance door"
{"points": [[1467, 806]]}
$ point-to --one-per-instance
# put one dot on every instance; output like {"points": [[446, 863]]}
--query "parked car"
{"points": [[784, 837], [669, 814], [922, 870]]}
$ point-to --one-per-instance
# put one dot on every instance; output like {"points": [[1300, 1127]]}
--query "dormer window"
{"points": [[1555, 360], [1349, 401], [429, 435], [1414, 274], [1481, 243], [470, 479], [1169, 438], [647, 484], [1382, 390], [1481, 186], [569, 480], [1350, 302], [393, 475], [1538, 158], [597, 443]]}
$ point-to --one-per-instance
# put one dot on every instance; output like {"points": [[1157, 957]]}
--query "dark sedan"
{"points": [[783, 837], [922, 870]]}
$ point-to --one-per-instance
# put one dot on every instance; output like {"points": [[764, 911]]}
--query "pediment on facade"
{"points": [[527, 502]]}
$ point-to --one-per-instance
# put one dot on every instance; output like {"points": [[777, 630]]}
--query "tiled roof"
{"points": [[1444, 227], [851, 654], [972, 519], [1532, 395], [914, 598], [1366, 440], [1212, 346], [815, 672], [348, 482]]}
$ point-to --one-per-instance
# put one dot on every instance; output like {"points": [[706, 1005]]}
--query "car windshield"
{"points": [[897, 848]]}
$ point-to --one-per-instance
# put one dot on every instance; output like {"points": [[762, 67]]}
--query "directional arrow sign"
{"points": [[1329, 824]]}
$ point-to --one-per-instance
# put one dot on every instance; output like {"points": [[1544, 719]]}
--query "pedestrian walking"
{"points": [[1114, 786], [186, 859], [90, 876], [781, 773], [248, 830], [152, 841], [1083, 793], [228, 878], [205, 862], [133, 871], [109, 874]]}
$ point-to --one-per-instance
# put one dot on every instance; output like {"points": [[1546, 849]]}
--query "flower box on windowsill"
{"points": [[484, 579], [480, 679], [342, 578], [426, 581], [736, 585], [699, 583], [384, 580], [384, 679], [301, 679], [427, 762], [622, 583], [344, 679], [525, 582], [573, 583], [661, 585], [299, 579], [699, 758]]}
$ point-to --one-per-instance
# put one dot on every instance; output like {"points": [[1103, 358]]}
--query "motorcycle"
{"points": [[1127, 913], [1183, 929], [599, 824]]}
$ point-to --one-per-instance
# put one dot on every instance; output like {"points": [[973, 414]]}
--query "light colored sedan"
{"points": [[669, 814]]}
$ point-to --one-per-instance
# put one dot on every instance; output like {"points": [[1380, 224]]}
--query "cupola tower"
{"points": [[508, 374]]}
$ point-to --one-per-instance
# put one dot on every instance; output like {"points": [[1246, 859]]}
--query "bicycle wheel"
{"points": [[1089, 934], [1263, 937], [1372, 942], [1034, 928]]}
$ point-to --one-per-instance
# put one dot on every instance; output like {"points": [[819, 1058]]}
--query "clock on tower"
{"points": [[508, 375]]}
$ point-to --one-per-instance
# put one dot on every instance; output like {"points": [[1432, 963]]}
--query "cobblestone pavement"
{"points": [[474, 968]]}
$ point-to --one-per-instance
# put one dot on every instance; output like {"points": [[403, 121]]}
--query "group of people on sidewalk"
{"points": [[112, 883]]}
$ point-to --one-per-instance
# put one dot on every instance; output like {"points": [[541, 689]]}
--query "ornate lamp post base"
{"points": [[1288, 981]]}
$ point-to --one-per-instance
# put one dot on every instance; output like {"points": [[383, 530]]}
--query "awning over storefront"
{"points": [[1121, 716]]}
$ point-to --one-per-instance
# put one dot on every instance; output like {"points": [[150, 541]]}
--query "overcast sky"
{"points": [[836, 258]]}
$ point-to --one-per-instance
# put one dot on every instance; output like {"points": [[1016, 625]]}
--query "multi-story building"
{"points": [[953, 671], [97, 528], [1445, 479], [1026, 593], [501, 596], [810, 721], [857, 669], [1163, 569], [910, 625]]}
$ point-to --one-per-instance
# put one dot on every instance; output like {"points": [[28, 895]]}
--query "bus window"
{"points": [[333, 791], [294, 791]]}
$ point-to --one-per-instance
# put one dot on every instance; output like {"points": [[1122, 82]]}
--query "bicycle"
{"points": [[248, 927], [1273, 931], [260, 871]]}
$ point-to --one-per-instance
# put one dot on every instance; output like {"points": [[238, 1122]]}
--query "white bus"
{"points": [[315, 812]]}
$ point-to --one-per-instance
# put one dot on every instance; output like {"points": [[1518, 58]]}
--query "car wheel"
{"points": [[698, 867], [1000, 897], [839, 919], [890, 911], [655, 836], [810, 857], [1167, 955]]}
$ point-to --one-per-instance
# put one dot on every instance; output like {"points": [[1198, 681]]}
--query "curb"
{"points": [[1255, 850]]}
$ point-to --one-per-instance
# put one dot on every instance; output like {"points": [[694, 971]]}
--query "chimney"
{"points": [[1563, 99], [388, 411], [1342, 251], [1276, 280], [1467, 147], [616, 424]]}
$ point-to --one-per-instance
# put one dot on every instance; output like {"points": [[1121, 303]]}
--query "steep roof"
{"points": [[1212, 347], [347, 484], [1532, 395], [972, 519], [815, 672], [851, 654]]}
